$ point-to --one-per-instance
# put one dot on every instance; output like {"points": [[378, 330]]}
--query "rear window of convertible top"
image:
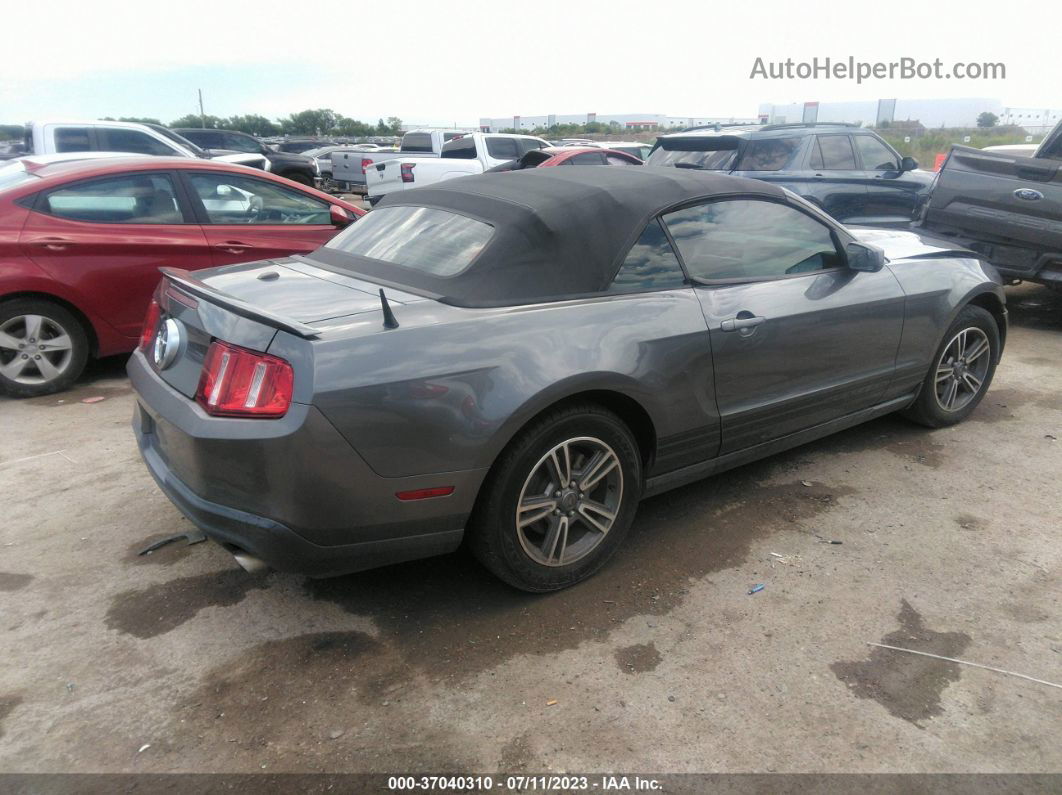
{"points": [[426, 239]]}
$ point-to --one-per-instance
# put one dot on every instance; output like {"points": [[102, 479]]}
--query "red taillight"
{"points": [[151, 324], [407, 172], [237, 382], [365, 163]]}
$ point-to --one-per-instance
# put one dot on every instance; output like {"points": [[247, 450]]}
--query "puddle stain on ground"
{"points": [[909, 686], [255, 700], [7, 706], [676, 539], [14, 582], [637, 659], [155, 610]]}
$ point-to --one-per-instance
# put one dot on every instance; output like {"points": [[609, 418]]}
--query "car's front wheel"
{"points": [[300, 177], [559, 500], [961, 372], [43, 347]]}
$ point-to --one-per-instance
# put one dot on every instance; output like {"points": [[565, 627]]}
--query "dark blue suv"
{"points": [[846, 170]]}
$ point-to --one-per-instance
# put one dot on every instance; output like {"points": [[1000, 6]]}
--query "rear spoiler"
{"points": [[192, 285]]}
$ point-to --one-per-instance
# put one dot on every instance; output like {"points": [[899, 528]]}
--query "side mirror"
{"points": [[864, 258], [340, 217], [908, 164]]}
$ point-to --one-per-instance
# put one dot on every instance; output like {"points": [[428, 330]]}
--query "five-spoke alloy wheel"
{"points": [[962, 369], [42, 348], [559, 500], [569, 501]]}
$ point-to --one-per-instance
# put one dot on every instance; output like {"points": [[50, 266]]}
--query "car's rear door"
{"points": [[836, 183], [797, 338], [107, 237], [245, 218]]}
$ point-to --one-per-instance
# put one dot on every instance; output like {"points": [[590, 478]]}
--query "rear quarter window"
{"points": [[460, 149], [769, 154], [416, 142], [706, 152], [426, 239]]}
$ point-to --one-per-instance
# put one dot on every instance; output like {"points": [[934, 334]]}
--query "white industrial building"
{"points": [[931, 113], [624, 121]]}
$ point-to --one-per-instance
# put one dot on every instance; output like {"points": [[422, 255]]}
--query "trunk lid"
{"points": [[247, 304]]}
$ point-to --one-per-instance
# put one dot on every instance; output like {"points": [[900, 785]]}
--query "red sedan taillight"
{"points": [[407, 172], [151, 324], [365, 163], [237, 382]]}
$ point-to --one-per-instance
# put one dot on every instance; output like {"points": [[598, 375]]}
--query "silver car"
{"points": [[514, 360]]}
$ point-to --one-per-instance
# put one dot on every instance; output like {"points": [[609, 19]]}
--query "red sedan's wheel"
{"points": [[43, 348]]}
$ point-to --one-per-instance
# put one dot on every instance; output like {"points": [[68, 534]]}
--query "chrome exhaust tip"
{"points": [[248, 562]]}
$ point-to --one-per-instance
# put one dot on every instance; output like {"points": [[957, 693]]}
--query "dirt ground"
{"points": [[179, 661]]}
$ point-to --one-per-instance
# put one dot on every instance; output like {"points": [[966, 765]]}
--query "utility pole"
{"points": [[202, 116]]}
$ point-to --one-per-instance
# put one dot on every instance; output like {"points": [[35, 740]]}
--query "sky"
{"points": [[453, 62]]}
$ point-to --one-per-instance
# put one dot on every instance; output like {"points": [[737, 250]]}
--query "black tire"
{"points": [[493, 533], [300, 177], [928, 408], [32, 380]]}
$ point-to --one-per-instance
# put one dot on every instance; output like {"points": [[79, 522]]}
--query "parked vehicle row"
{"points": [[472, 153], [50, 137], [81, 243], [295, 167], [671, 324], [349, 168]]}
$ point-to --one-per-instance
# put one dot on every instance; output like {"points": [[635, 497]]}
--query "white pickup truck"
{"points": [[471, 154], [49, 137]]}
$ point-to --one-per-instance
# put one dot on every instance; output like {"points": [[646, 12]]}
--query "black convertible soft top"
{"points": [[559, 232]]}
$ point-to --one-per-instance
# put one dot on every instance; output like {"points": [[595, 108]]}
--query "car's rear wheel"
{"points": [[43, 348], [961, 372], [559, 500]]}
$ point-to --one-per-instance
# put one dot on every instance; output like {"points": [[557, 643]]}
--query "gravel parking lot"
{"points": [[179, 661]]}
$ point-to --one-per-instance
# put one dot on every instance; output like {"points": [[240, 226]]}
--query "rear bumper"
{"points": [[291, 492]]}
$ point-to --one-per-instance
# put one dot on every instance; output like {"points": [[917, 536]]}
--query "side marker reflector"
{"points": [[425, 494]]}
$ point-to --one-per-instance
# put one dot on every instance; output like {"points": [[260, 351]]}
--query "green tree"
{"points": [[252, 124], [352, 127], [309, 122], [195, 120], [11, 132], [987, 119]]}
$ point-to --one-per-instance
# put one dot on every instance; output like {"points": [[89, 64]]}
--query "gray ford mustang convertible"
{"points": [[517, 359]]}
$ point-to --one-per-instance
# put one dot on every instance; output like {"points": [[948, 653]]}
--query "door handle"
{"points": [[744, 321], [232, 246], [54, 243]]}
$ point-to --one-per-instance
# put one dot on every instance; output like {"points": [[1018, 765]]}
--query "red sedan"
{"points": [[81, 243], [569, 156]]}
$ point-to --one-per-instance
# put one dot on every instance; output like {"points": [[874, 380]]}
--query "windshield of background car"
{"points": [[769, 154], [198, 151], [426, 239], [712, 153]]}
